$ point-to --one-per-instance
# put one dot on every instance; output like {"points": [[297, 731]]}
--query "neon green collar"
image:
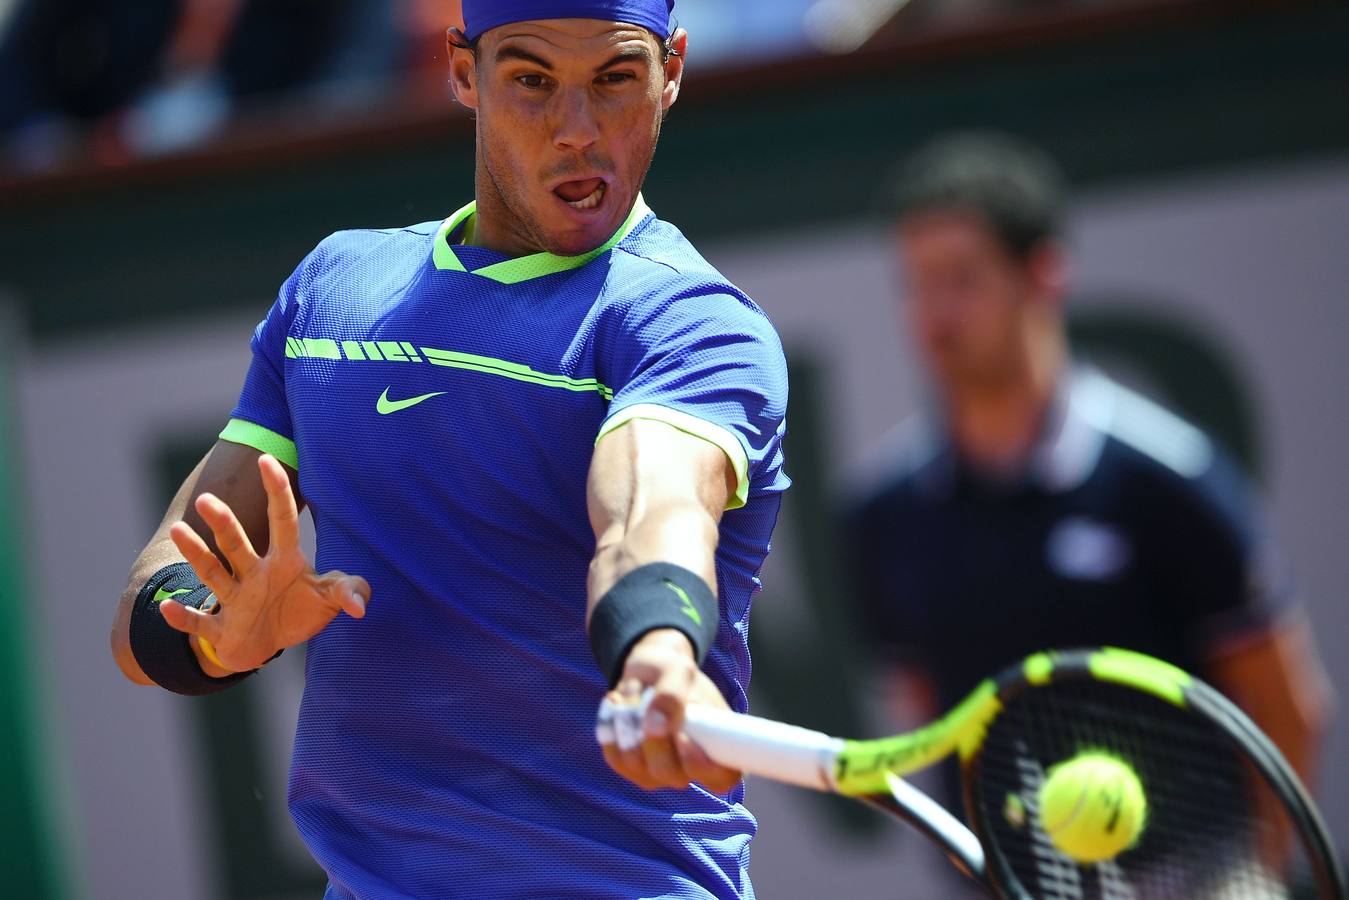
{"points": [[536, 265]]}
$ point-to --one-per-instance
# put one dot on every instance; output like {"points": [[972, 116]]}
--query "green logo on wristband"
{"points": [[688, 608], [161, 595]]}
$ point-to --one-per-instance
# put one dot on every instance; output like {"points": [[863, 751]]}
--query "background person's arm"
{"points": [[1277, 678], [1240, 603]]}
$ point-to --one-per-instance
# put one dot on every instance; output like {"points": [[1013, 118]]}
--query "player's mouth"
{"points": [[583, 195]]}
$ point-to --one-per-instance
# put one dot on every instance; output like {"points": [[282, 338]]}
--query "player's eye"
{"points": [[533, 81], [615, 78]]}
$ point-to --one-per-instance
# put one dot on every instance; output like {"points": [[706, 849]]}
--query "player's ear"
{"points": [[674, 68], [463, 68], [1048, 268]]}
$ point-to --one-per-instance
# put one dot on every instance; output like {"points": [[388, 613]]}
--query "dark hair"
{"points": [[1010, 184]]}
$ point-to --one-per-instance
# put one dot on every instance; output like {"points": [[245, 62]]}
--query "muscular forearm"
{"points": [[223, 470], [158, 553], [655, 498], [677, 532]]}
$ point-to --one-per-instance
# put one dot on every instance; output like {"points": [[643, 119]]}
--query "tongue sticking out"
{"points": [[572, 191]]}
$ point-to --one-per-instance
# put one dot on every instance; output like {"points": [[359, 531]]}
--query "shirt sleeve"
{"points": [[710, 365], [261, 419], [1233, 579]]}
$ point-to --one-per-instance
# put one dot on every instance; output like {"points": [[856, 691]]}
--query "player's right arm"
{"points": [[235, 520]]}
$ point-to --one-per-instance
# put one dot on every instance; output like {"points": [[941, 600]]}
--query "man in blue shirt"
{"points": [[540, 433]]}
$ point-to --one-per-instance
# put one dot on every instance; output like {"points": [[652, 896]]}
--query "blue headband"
{"points": [[481, 15]]}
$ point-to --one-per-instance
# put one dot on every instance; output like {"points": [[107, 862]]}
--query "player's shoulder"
{"points": [[1151, 437], [354, 247], [655, 268], [354, 267], [906, 468], [1149, 446]]}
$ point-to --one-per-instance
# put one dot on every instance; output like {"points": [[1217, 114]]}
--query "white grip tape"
{"points": [[773, 750], [761, 747]]}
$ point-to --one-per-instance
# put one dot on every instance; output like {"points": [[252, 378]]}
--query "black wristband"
{"points": [[657, 595], [161, 650]]}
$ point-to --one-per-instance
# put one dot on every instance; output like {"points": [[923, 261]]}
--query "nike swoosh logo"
{"points": [[386, 406], [161, 595], [688, 608]]}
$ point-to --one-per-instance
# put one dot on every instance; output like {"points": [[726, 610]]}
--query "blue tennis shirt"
{"points": [[441, 403]]}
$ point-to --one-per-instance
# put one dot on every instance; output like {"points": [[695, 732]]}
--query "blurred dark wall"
{"points": [[82, 57]]}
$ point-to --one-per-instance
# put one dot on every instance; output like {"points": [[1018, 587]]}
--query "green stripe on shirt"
{"points": [[265, 440]]}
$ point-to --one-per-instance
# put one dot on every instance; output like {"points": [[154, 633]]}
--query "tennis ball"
{"points": [[1092, 807]]}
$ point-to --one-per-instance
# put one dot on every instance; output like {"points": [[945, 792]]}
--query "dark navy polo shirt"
{"points": [[1128, 528]]}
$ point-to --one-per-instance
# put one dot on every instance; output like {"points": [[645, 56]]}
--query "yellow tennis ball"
{"points": [[1092, 807]]}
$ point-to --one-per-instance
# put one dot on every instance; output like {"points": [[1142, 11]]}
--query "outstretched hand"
{"points": [[266, 603]]}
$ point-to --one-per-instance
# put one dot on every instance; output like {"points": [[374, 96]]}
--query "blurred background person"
{"points": [[158, 77], [1037, 503]]}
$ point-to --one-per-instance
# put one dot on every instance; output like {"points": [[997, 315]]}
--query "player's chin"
{"points": [[573, 229]]}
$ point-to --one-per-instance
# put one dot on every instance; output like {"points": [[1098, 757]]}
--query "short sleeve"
{"points": [[261, 419], [1233, 579], [710, 365]]}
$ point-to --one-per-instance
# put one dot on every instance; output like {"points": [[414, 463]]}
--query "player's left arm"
{"points": [[656, 495]]}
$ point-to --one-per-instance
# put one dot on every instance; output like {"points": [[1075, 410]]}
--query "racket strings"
{"points": [[1214, 829]]}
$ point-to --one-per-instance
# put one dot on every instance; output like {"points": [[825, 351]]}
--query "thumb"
{"points": [[349, 592], [191, 621]]}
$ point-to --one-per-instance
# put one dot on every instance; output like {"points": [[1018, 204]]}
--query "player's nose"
{"points": [[577, 125]]}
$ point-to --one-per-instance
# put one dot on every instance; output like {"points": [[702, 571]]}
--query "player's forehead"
{"points": [[563, 41], [945, 227]]}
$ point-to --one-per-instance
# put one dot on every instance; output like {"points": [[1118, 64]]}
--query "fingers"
{"points": [[624, 753], [632, 771], [662, 763], [283, 516], [203, 561], [696, 763], [653, 763], [699, 767], [191, 621], [665, 706], [229, 534], [650, 754], [349, 592], [670, 694]]}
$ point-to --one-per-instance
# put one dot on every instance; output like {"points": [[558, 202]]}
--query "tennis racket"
{"points": [[1226, 816]]}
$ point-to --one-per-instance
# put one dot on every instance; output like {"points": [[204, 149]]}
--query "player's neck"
{"points": [[494, 228], [996, 425]]}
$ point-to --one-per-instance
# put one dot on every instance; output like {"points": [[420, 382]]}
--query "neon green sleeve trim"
{"points": [[700, 428], [250, 435]]}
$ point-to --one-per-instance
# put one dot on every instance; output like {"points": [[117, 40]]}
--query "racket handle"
{"points": [[761, 747]]}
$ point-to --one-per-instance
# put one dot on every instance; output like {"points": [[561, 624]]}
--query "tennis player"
{"points": [[541, 444]]}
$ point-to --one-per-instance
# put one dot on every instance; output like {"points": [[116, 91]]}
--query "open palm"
{"points": [[266, 603]]}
